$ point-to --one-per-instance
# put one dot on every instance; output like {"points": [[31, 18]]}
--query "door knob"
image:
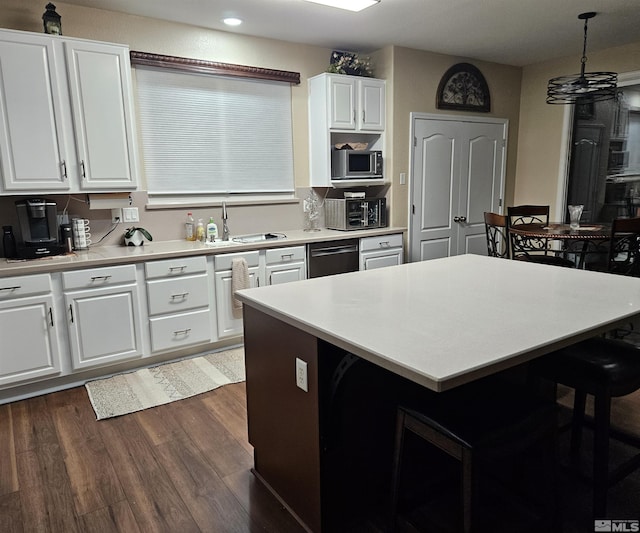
{"points": [[462, 219], [456, 219]]}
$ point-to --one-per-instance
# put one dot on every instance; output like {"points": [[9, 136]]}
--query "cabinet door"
{"points": [[230, 325], [284, 273], [342, 108], [32, 143], [371, 260], [30, 343], [372, 105], [104, 326], [100, 86]]}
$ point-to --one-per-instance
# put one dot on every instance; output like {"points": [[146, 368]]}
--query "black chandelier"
{"points": [[585, 87]]}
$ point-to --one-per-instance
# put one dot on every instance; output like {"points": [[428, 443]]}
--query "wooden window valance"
{"points": [[200, 66]]}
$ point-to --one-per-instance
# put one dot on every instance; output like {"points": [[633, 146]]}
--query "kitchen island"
{"points": [[367, 337]]}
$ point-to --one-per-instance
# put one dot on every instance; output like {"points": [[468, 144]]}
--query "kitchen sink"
{"points": [[259, 237]]}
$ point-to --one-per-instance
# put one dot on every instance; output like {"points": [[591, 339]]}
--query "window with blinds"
{"points": [[213, 135]]}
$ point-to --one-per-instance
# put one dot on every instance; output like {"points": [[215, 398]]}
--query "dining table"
{"points": [[327, 358], [581, 241]]}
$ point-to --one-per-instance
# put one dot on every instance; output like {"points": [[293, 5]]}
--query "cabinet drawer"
{"points": [[99, 277], [177, 295], [223, 262], [19, 286], [175, 267], [175, 331], [285, 255], [381, 242]]}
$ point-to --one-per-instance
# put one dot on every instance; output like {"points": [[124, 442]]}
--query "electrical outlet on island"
{"points": [[301, 375]]}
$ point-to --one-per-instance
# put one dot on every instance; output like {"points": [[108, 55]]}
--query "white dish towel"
{"points": [[239, 281]]}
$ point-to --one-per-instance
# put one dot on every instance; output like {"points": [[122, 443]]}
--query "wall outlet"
{"points": [[116, 216], [130, 214], [301, 375]]}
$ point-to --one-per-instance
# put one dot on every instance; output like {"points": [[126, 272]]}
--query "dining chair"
{"points": [[497, 231], [492, 428], [624, 247], [535, 250]]}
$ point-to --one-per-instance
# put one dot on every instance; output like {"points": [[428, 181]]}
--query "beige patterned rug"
{"points": [[149, 387]]}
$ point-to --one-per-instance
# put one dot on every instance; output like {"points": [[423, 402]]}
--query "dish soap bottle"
{"points": [[190, 228], [212, 230], [200, 233]]}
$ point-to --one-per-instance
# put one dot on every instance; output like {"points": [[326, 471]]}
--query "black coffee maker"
{"points": [[38, 222]]}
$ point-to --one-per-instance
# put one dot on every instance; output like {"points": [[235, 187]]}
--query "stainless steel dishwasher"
{"points": [[333, 257]]}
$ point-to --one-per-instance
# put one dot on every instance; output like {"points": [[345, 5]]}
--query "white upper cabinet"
{"points": [[355, 103], [66, 115], [372, 104], [100, 89], [32, 139], [343, 109]]}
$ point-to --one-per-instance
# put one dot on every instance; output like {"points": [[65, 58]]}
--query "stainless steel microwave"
{"points": [[355, 213], [356, 164]]}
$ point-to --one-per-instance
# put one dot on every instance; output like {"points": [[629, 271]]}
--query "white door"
{"points": [[32, 143], [99, 82], [104, 326], [372, 105], [457, 174], [229, 324], [342, 91], [30, 344]]}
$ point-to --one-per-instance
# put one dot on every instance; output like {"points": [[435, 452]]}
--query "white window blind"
{"points": [[204, 134]]}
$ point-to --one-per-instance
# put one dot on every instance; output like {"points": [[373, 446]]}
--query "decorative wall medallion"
{"points": [[463, 87]]}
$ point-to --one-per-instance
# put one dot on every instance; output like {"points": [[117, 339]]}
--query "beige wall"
{"points": [[542, 154], [535, 159], [414, 81]]}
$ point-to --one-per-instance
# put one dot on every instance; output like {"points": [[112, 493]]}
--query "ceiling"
{"points": [[512, 32]]}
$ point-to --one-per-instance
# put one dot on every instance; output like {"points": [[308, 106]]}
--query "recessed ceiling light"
{"points": [[350, 5], [232, 21]]}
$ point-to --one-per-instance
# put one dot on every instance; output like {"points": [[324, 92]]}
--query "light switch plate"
{"points": [[130, 214]]}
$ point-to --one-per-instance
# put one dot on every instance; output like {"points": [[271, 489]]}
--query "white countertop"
{"points": [[448, 321], [114, 255]]}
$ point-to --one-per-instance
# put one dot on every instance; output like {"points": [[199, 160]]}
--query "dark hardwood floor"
{"points": [[180, 467]]}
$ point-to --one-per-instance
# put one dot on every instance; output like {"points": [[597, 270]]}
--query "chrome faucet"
{"points": [[225, 226]]}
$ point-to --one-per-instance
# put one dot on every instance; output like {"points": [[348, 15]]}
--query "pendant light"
{"points": [[585, 87]]}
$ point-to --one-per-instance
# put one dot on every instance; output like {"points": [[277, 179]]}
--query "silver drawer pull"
{"points": [[11, 288], [180, 268], [183, 295], [286, 257], [103, 278], [181, 332], [384, 244]]}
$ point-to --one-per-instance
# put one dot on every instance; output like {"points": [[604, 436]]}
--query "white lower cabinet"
{"points": [[103, 315], [28, 330], [265, 267], [283, 265], [178, 301], [381, 251], [230, 320]]}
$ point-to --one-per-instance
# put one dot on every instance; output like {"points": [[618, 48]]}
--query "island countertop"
{"points": [[113, 255], [448, 321]]}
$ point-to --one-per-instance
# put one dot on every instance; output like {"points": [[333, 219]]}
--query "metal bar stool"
{"points": [[477, 424]]}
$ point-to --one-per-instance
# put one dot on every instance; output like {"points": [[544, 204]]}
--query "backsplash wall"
{"points": [[165, 224]]}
